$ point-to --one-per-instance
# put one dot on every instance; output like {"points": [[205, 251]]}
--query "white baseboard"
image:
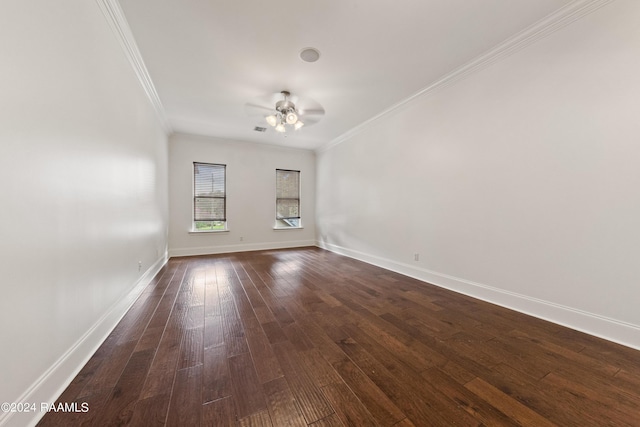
{"points": [[245, 247], [55, 380], [614, 330]]}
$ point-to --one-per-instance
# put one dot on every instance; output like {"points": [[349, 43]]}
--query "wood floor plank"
{"points": [[312, 403], [185, 408], [329, 421], [191, 349], [607, 402], [213, 331], [163, 369], [616, 354], [428, 323], [524, 356], [406, 422], [195, 316], [281, 403], [457, 373], [122, 401], [147, 305], [211, 297], [150, 338], [253, 294], [510, 407], [579, 358], [217, 378], [234, 339], [317, 335], [319, 367], [151, 411], [465, 364], [107, 375], [246, 387], [390, 377], [265, 361], [628, 380], [483, 350], [274, 332], [198, 290], [163, 310], [414, 353], [465, 399], [297, 337], [308, 337], [220, 412], [553, 403], [264, 314], [347, 406], [377, 403], [260, 419]]}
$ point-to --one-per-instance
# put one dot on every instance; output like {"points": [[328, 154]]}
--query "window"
{"points": [[209, 197], [287, 198]]}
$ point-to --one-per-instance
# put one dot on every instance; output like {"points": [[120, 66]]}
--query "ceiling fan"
{"points": [[282, 110]]}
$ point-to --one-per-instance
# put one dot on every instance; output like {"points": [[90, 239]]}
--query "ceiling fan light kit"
{"points": [[283, 111], [272, 120], [292, 117], [285, 114]]}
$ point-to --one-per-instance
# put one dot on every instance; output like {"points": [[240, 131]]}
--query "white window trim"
{"points": [[207, 231], [193, 230], [300, 227]]}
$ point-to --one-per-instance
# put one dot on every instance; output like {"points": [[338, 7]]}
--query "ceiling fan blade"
{"points": [[309, 110], [260, 107], [258, 110], [314, 111], [311, 120]]}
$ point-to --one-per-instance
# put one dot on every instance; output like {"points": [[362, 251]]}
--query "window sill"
{"points": [[207, 231], [288, 228]]}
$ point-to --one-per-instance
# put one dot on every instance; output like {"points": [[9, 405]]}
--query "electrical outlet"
{"points": [[139, 265], [241, 239], [416, 257]]}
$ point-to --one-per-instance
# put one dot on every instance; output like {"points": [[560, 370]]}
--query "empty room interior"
{"points": [[331, 213]]}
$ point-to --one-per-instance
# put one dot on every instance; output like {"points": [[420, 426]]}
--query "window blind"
{"points": [[209, 188], [287, 194]]}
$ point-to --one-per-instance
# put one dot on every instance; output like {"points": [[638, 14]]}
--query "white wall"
{"points": [[518, 184], [251, 178], [83, 167]]}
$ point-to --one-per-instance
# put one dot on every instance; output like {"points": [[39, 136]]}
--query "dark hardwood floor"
{"points": [[307, 337]]}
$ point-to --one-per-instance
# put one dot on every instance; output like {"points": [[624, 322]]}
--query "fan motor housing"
{"points": [[285, 105]]}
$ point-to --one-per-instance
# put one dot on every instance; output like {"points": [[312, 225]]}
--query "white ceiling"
{"points": [[207, 58]]}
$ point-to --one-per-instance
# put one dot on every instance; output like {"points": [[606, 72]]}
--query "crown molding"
{"points": [[543, 28], [120, 27]]}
